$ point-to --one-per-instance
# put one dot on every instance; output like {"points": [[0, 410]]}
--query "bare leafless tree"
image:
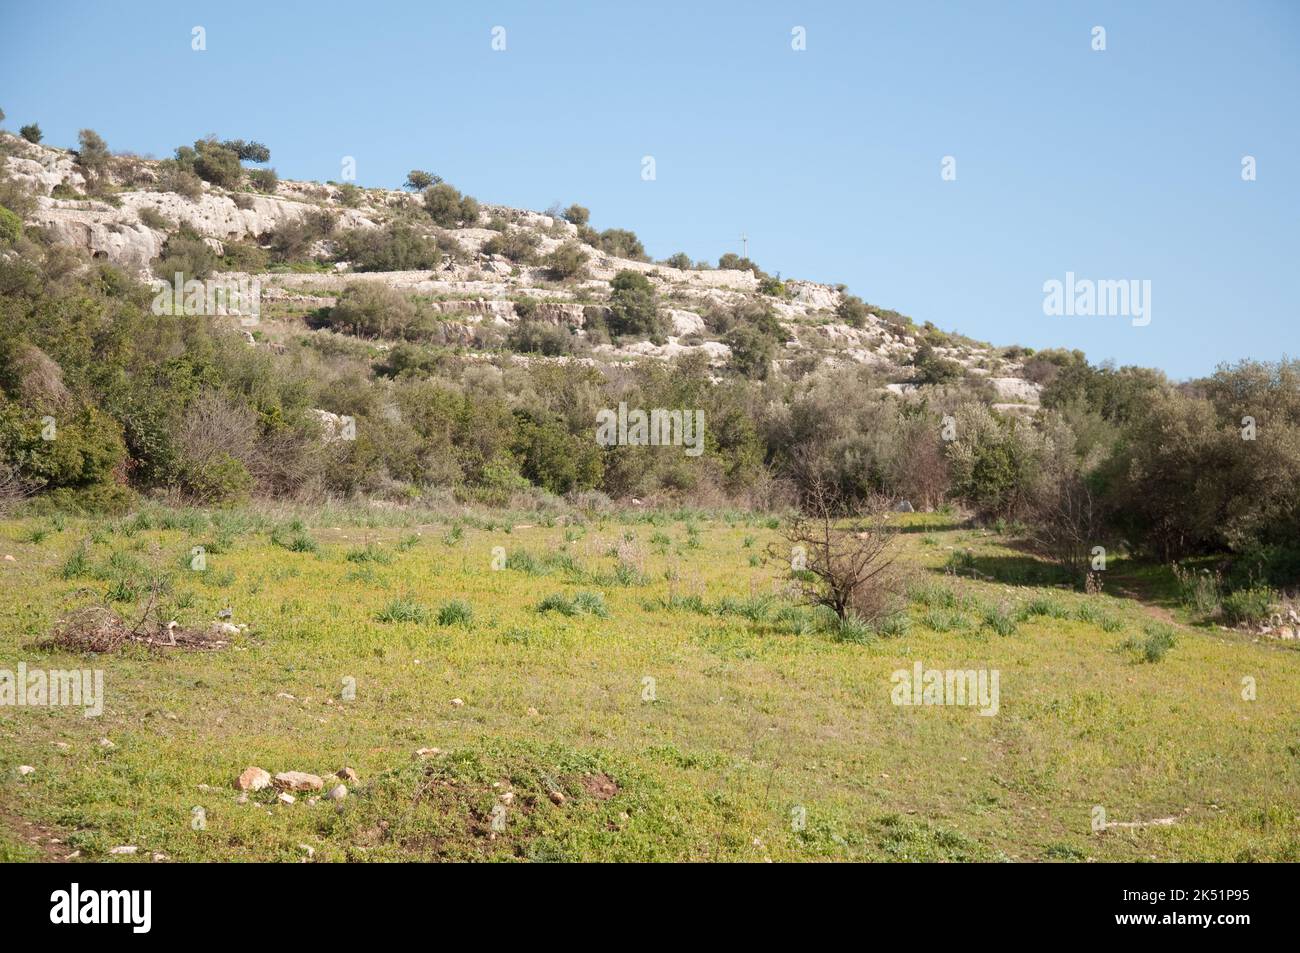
{"points": [[841, 555], [1067, 520], [14, 488]]}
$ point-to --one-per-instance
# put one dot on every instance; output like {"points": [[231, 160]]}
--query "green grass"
{"points": [[760, 706]]}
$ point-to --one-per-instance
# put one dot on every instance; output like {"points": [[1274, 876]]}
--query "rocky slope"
{"points": [[475, 290]]}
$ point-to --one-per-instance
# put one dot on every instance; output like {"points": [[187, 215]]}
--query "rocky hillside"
{"points": [[484, 286]]}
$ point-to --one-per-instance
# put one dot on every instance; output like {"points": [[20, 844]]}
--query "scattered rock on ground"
{"points": [[253, 779]]}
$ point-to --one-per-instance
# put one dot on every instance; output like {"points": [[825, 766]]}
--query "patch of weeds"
{"points": [[370, 553], [585, 602], [1059, 851], [453, 535]]}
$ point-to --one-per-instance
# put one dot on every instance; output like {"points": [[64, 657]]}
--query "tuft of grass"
{"points": [[894, 625], [932, 595], [854, 630], [456, 612], [943, 620], [402, 610], [1000, 620], [295, 538], [1044, 606], [76, 565]]}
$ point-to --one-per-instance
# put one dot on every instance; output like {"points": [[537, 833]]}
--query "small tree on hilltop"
{"points": [[32, 133], [577, 215], [417, 180]]}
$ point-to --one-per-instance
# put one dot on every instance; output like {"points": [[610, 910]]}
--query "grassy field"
{"points": [[633, 688]]}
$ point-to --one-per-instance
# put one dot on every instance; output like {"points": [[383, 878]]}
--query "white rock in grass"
{"points": [[26, 769], [124, 849], [298, 781], [338, 793]]}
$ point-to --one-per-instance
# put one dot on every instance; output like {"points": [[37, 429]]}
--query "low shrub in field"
{"points": [[1155, 642]]}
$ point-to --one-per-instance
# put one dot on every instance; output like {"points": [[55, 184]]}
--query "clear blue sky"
{"points": [[1119, 164]]}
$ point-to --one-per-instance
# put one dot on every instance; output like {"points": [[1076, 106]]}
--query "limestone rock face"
{"points": [[478, 296]]}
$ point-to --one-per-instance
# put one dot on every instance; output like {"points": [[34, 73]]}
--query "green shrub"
{"points": [[537, 337], [851, 310], [448, 208], [212, 162], [618, 242], [152, 218], [32, 133], [398, 247], [248, 151], [187, 254], [92, 152], [568, 261], [1247, 606], [264, 180], [576, 215], [11, 227], [519, 245], [633, 310], [372, 309]]}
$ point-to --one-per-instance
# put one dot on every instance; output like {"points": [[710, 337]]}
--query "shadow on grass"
{"points": [[1019, 570]]}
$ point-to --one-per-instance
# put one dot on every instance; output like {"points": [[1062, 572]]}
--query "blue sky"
{"points": [[1122, 164]]}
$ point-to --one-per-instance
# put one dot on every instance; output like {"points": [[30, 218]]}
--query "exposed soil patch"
{"points": [[600, 786]]}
